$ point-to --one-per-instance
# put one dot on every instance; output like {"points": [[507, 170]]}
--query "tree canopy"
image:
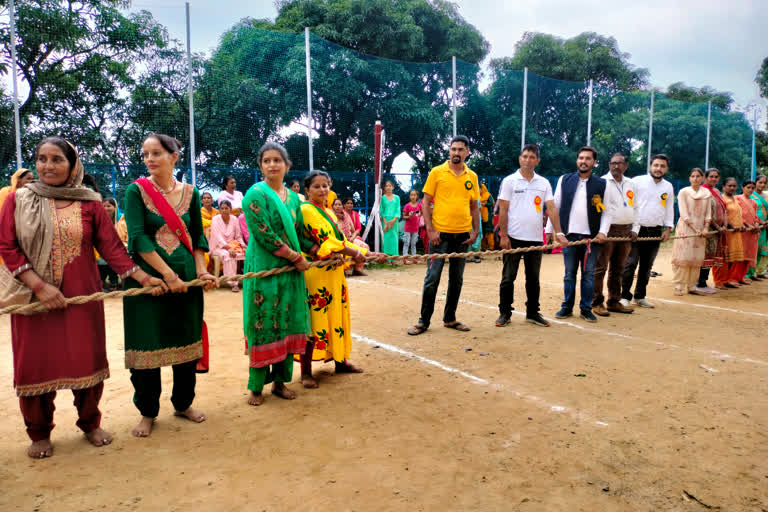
{"points": [[105, 79]]}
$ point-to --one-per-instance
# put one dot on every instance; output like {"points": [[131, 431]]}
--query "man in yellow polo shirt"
{"points": [[452, 226]]}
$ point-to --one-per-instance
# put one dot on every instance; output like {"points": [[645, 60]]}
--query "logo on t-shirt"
{"points": [[468, 185]]}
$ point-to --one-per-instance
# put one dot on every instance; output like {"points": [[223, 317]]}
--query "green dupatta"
{"points": [[336, 231], [762, 214], [288, 223]]}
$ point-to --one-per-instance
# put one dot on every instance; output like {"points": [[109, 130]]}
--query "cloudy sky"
{"points": [[699, 42]]}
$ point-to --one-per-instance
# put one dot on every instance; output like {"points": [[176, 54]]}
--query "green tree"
{"points": [[681, 92], [351, 89], [762, 79], [75, 57]]}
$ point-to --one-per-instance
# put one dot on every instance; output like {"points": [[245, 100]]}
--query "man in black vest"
{"points": [[579, 199]]}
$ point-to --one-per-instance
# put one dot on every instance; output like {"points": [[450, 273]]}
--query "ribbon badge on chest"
{"points": [[630, 196], [537, 202], [664, 199], [598, 203]]}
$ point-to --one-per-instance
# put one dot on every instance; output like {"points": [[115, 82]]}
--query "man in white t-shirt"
{"points": [[523, 196]]}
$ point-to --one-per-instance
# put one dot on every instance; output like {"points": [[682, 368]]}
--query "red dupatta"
{"points": [[166, 212], [177, 227]]}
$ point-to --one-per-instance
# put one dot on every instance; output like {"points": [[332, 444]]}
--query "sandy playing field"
{"points": [[650, 411]]}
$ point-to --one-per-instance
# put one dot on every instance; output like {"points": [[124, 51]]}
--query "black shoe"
{"points": [[503, 320], [588, 316], [564, 313], [537, 319]]}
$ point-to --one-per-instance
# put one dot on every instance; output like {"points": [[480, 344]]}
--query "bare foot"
{"points": [[347, 368], [40, 449], [144, 428], [308, 382], [99, 437], [255, 399], [191, 415], [279, 389]]}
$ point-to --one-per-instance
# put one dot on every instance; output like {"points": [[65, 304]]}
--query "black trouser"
{"points": [[147, 388], [703, 276], [449, 242], [532, 261], [643, 254]]}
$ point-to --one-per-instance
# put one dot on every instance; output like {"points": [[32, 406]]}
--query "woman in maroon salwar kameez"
{"points": [[48, 232]]}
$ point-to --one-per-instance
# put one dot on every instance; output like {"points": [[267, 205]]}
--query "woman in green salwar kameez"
{"points": [[275, 311], [761, 268], [165, 238]]}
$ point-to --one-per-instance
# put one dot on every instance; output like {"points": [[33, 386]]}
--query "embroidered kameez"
{"points": [[64, 348], [164, 330], [328, 296], [390, 209], [275, 313], [749, 239], [688, 253], [761, 266], [736, 267], [714, 253], [226, 236]]}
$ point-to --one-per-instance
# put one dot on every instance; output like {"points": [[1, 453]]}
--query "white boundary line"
{"points": [[477, 380], [712, 353], [681, 303]]}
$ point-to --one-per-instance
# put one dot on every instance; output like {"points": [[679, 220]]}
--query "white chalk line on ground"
{"points": [[711, 353], [695, 305], [477, 380]]}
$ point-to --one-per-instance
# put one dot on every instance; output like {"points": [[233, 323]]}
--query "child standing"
{"points": [[411, 214]]}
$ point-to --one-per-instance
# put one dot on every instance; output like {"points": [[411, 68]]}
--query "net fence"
{"points": [[253, 88]]}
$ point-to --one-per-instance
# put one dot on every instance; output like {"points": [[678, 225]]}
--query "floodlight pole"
{"points": [[16, 118], [309, 95], [453, 96], [709, 127], [190, 93], [525, 108], [589, 115], [650, 133], [754, 154]]}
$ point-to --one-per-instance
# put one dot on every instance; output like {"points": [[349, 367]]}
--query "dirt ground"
{"points": [[671, 408]]}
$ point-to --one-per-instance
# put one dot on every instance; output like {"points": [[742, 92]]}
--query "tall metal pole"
{"points": [[525, 107], [709, 126], [190, 93], [309, 96], [589, 115], [16, 119], [754, 154], [650, 134], [453, 96]]}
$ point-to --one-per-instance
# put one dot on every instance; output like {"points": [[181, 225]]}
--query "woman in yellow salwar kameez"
{"points": [[328, 296]]}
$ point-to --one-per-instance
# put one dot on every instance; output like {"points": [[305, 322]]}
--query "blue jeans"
{"points": [[574, 259], [449, 242]]}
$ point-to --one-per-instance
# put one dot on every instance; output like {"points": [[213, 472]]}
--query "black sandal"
{"points": [[458, 326], [417, 329]]}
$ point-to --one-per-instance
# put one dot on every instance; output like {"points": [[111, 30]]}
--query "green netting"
{"points": [[620, 125], [730, 147], [680, 132], [252, 88], [556, 120]]}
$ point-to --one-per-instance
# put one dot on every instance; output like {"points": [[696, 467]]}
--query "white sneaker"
{"points": [[705, 289], [643, 303], [624, 302]]}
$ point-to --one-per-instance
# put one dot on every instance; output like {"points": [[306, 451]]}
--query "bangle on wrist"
{"points": [[298, 258], [39, 286], [146, 278], [174, 277]]}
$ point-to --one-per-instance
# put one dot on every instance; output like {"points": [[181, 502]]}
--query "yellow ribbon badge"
{"points": [[537, 202], [664, 199], [598, 205], [630, 195]]}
